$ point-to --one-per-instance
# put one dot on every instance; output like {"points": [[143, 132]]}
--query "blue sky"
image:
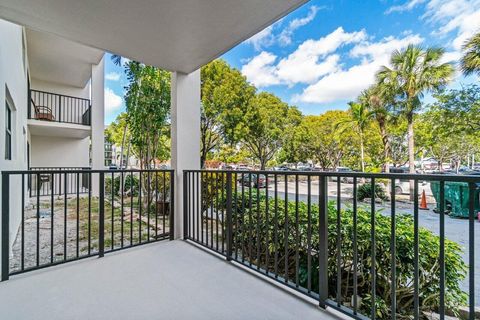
{"points": [[322, 55]]}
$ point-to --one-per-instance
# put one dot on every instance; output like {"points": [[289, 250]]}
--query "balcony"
{"points": [[304, 232], [52, 114]]}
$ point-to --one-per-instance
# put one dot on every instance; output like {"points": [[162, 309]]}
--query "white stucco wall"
{"points": [[61, 89], [14, 76], [59, 152]]}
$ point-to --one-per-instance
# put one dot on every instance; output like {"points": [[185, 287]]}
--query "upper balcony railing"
{"points": [[55, 107]]}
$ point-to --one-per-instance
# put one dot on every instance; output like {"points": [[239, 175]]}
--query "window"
{"points": [[8, 131]]}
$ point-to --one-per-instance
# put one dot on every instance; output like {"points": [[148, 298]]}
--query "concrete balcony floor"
{"points": [[164, 280]]}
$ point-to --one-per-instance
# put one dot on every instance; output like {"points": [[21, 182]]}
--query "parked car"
{"points": [[260, 182], [343, 179], [281, 168]]}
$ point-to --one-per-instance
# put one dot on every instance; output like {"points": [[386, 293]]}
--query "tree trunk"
{"points": [[386, 145], [362, 152], [411, 152]]}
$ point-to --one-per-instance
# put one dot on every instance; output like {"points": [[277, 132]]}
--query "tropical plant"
{"points": [[360, 117], [279, 241], [471, 58], [413, 72], [365, 191]]}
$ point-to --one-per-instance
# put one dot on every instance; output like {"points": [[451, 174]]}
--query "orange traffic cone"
{"points": [[423, 202]]}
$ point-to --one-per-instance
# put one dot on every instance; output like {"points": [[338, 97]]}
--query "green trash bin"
{"points": [[456, 198]]}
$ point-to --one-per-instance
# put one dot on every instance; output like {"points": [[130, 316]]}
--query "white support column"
{"points": [[98, 119], [185, 131]]}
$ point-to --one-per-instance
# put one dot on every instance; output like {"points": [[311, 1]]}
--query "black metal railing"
{"points": [[380, 259], [55, 107], [42, 184], [121, 209]]}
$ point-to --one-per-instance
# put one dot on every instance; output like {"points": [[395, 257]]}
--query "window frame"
{"points": [[8, 131]]}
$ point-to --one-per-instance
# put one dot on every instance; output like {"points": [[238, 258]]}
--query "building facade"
{"points": [[52, 94]]}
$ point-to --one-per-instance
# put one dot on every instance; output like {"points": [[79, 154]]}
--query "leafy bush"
{"points": [[365, 191], [251, 238]]}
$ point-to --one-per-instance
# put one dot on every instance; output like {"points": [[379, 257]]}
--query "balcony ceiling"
{"points": [[177, 35], [55, 59]]}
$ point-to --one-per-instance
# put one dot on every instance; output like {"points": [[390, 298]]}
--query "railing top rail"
{"points": [[60, 95], [404, 176], [16, 172]]}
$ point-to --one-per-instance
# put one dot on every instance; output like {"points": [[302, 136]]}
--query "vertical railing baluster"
{"points": [[229, 215], [5, 226], [218, 176], [442, 251], [52, 188], [257, 229], [171, 219], [22, 249], [223, 185], [339, 242], [250, 218], [148, 205], [374, 251], [393, 245], [267, 226], [309, 234], [78, 215], [65, 208], [156, 205], [355, 249], [101, 215], [416, 289], [37, 243], [89, 175], [323, 241], [243, 217], [471, 250], [122, 191], [286, 233], [275, 230], [297, 235], [235, 212], [140, 207], [186, 204], [132, 191], [112, 224]]}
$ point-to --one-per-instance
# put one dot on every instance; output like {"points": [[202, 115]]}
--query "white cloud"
{"points": [[461, 17], [260, 70], [112, 76], [285, 37], [346, 84], [262, 39], [112, 100], [407, 6], [306, 64]]}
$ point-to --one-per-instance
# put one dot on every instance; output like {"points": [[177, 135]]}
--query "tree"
{"points": [[471, 58], [378, 98], [413, 72], [265, 123], [147, 100], [322, 142], [225, 94], [360, 117]]}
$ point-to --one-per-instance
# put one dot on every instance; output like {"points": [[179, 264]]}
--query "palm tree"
{"points": [[471, 59], [377, 98], [413, 72], [360, 117]]}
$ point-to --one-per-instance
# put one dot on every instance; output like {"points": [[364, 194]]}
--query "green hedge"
{"points": [[245, 228]]}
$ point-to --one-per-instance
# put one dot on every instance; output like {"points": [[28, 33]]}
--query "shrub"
{"points": [[365, 191], [250, 238]]}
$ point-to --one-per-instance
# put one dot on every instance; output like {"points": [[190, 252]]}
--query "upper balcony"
{"points": [[59, 115]]}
